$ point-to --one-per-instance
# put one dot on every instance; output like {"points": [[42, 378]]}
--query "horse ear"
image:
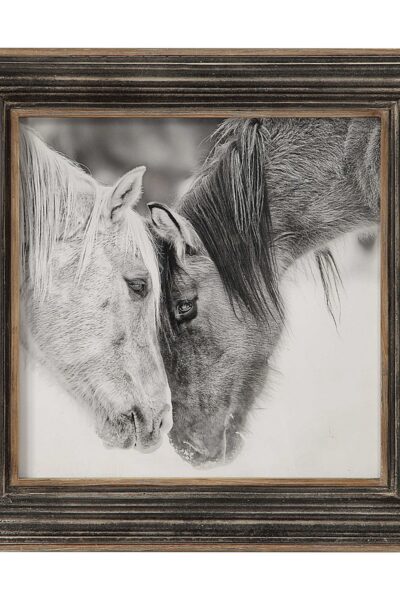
{"points": [[126, 192], [173, 227]]}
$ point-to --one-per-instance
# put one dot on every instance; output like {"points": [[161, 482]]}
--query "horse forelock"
{"points": [[228, 207], [54, 192]]}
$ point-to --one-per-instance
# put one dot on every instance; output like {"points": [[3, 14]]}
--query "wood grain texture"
{"points": [[146, 515], [191, 52]]}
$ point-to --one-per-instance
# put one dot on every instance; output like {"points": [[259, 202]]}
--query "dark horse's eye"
{"points": [[185, 310], [138, 286], [184, 306]]}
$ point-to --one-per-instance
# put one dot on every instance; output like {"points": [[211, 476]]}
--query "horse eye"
{"points": [[185, 310], [138, 286], [184, 306]]}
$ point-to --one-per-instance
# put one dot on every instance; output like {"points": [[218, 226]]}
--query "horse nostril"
{"points": [[148, 426], [139, 415], [136, 417], [130, 416]]}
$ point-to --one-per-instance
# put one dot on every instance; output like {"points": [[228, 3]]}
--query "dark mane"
{"points": [[228, 206], [229, 209]]}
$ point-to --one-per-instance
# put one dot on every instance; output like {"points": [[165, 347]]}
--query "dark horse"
{"points": [[270, 191]]}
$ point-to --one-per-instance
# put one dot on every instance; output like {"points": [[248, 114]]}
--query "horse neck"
{"points": [[328, 197]]}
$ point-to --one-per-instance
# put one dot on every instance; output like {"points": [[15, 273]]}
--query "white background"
{"points": [[298, 23]]}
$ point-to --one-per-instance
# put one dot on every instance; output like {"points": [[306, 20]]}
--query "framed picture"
{"points": [[200, 301]]}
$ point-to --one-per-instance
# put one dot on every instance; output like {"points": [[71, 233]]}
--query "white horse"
{"points": [[90, 292]]}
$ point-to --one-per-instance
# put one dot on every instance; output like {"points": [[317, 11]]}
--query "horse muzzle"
{"points": [[138, 427]]}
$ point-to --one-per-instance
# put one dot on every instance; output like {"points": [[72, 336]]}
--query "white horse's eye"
{"points": [[138, 286]]}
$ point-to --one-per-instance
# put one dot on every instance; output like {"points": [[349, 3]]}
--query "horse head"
{"points": [[216, 354], [90, 290], [270, 191]]}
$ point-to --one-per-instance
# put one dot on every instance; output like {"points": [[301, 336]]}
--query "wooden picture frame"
{"points": [[200, 514]]}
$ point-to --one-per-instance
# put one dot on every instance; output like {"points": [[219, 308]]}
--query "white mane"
{"points": [[56, 196]]}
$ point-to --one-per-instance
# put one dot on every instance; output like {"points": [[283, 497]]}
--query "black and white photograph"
{"points": [[200, 297]]}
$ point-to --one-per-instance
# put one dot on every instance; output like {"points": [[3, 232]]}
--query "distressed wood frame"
{"points": [[238, 515]]}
